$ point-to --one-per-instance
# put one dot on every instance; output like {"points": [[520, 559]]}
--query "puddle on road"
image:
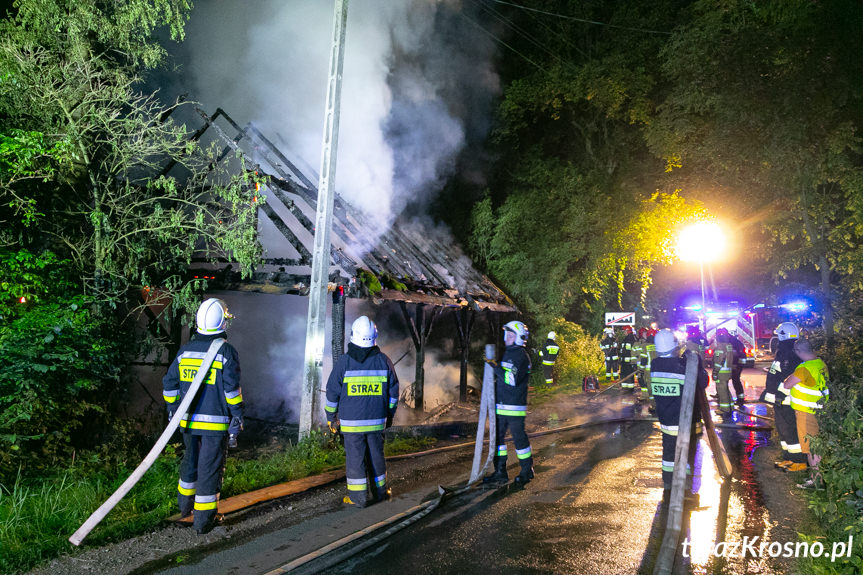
{"points": [[729, 511]]}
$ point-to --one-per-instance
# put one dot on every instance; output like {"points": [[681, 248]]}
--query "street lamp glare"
{"points": [[702, 242]]}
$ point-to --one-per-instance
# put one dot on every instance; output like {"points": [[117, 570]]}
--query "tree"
{"points": [[97, 169], [765, 100], [578, 214]]}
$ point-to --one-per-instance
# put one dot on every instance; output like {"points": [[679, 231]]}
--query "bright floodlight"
{"points": [[701, 242]]}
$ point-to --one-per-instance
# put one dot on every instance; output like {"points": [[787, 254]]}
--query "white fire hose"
{"points": [[121, 492]]}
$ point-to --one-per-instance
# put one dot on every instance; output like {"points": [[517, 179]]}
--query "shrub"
{"points": [[60, 362], [839, 508]]}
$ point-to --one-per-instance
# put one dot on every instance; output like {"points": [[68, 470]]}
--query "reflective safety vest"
{"points": [[811, 391], [549, 356]]}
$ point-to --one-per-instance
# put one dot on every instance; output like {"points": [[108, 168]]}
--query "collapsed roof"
{"points": [[412, 261]]}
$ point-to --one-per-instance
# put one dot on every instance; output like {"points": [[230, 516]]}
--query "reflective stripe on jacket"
{"points": [[549, 354], [362, 390], [220, 397]]}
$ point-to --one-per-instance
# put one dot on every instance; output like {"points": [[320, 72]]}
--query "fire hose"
{"points": [[148, 461]]}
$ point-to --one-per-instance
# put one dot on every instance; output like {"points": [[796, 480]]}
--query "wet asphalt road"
{"points": [[595, 506]]}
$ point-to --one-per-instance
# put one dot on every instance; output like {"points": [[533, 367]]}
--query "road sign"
{"points": [[620, 318]]}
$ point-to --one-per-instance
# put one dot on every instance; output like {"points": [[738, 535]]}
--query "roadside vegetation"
{"points": [[37, 516]]}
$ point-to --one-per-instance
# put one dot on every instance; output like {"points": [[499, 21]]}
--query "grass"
{"points": [[37, 516]]}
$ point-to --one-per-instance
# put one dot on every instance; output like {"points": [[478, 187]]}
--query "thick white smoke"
{"points": [[416, 75]]}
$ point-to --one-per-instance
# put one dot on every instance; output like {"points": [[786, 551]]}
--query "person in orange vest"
{"points": [[808, 389]]}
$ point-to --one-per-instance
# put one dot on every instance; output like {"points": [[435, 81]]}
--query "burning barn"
{"points": [[405, 276]]}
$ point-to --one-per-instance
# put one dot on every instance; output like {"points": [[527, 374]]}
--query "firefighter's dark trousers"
{"points": [[736, 381], [201, 477], [361, 448], [515, 424], [786, 427], [669, 443], [627, 367], [548, 373]]}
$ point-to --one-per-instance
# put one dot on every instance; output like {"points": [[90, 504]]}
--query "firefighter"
{"points": [[362, 396], [784, 363], [639, 353], [668, 375], [609, 349], [549, 354], [627, 360], [807, 387], [215, 417], [723, 363], [737, 368], [511, 380]]}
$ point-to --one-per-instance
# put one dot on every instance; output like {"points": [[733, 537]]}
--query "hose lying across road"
{"points": [[415, 513]]}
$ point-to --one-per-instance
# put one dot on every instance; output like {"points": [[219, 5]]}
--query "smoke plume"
{"points": [[418, 84]]}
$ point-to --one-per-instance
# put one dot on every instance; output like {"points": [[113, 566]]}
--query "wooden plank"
{"points": [[238, 502]]}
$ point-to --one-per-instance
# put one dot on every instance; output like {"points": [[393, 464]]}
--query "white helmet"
{"points": [[665, 342], [609, 331], [364, 333], [552, 335], [786, 330], [212, 317], [520, 331]]}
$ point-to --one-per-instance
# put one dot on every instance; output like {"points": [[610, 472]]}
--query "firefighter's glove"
{"points": [[232, 441], [389, 421], [491, 362], [334, 428], [236, 425]]}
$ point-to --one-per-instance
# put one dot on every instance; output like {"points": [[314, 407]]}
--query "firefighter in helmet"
{"points": [[609, 350], [511, 380], [548, 354], [362, 396], [627, 360], [784, 363], [215, 417], [668, 375]]}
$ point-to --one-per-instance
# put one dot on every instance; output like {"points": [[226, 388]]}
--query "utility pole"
{"points": [[315, 327]]}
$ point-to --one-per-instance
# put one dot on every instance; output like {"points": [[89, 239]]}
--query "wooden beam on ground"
{"points": [[244, 500]]}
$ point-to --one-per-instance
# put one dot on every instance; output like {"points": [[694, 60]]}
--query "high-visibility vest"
{"points": [[811, 391]]}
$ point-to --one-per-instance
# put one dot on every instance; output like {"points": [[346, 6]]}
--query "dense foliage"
{"points": [[104, 202], [61, 363]]}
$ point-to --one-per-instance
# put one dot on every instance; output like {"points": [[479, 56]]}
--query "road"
{"points": [[594, 507]]}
